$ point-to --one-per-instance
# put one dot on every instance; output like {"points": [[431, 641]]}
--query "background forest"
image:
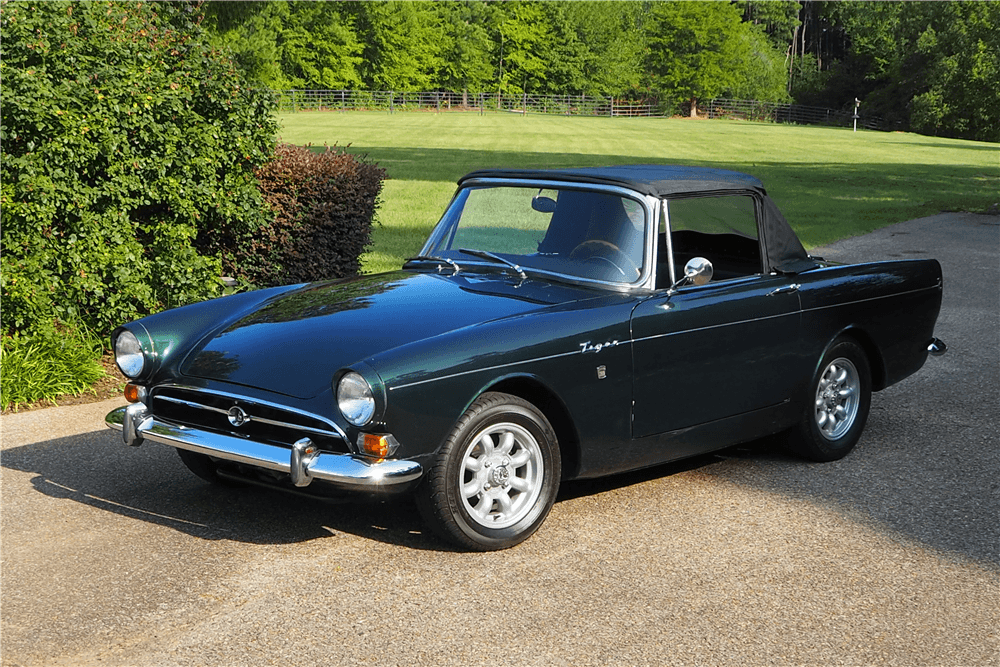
{"points": [[929, 67]]}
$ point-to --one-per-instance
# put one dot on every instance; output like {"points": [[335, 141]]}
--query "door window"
{"points": [[721, 229]]}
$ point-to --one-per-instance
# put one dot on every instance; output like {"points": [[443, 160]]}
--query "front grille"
{"points": [[261, 422]]}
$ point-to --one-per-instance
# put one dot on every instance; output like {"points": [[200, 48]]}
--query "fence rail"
{"points": [[567, 105], [790, 113], [368, 100]]}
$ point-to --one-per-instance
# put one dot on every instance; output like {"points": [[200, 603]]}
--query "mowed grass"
{"points": [[830, 183]]}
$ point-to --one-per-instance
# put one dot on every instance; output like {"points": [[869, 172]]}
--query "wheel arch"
{"points": [[548, 402], [876, 361]]}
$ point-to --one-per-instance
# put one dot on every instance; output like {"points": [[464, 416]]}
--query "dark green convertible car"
{"points": [[557, 325]]}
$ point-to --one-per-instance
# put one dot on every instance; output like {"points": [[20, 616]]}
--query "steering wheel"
{"points": [[608, 252]]}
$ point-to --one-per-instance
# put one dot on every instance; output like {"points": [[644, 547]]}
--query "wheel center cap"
{"points": [[499, 475]]}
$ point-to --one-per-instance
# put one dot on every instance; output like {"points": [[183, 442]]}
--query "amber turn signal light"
{"points": [[379, 446], [132, 393]]}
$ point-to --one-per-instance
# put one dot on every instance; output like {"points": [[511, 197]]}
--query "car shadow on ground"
{"points": [[151, 484]]}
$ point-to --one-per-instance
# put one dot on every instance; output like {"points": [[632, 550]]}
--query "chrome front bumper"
{"points": [[303, 462]]}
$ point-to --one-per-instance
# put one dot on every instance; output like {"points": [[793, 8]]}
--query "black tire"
{"points": [[495, 478], [833, 420], [203, 466]]}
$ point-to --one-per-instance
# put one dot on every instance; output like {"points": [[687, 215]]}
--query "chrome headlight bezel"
{"points": [[355, 399], [129, 354]]}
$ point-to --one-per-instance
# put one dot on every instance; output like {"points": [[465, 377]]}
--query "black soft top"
{"points": [[648, 179], [785, 253]]}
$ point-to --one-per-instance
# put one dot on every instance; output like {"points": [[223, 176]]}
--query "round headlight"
{"points": [[128, 354], [355, 399]]}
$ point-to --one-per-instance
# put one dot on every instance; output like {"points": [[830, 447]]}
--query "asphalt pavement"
{"points": [[118, 556]]}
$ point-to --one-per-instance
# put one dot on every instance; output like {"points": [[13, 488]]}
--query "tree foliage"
{"points": [[699, 50], [284, 45], [401, 43], [931, 66], [124, 134]]}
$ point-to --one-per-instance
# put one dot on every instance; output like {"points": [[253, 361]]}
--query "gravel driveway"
{"points": [[114, 556]]}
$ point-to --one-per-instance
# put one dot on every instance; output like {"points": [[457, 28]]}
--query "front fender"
{"points": [[582, 354]]}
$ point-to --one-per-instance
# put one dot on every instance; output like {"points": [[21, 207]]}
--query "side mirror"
{"points": [[698, 271], [543, 204]]}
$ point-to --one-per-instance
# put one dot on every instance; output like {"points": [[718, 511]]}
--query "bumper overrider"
{"points": [[304, 462]]}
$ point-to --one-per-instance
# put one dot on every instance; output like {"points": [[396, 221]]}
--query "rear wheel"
{"points": [[837, 406], [496, 476]]}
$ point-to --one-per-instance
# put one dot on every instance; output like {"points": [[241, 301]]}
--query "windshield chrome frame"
{"points": [[651, 206]]}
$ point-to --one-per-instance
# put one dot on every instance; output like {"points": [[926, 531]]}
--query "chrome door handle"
{"points": [[786, 289]]}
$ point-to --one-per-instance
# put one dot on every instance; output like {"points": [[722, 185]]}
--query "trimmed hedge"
{"points": [[323, 204]]}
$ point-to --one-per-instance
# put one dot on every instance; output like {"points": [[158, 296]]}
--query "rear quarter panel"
{"points": [[891, 307]]}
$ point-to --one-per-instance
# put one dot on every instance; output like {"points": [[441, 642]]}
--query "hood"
{"points": [[293, 344]]}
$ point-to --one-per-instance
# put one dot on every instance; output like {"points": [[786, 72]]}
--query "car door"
{"points": [[703, 353]]}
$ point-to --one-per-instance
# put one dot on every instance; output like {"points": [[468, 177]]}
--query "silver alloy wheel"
{"points": [[502, 474], [837, 398]]}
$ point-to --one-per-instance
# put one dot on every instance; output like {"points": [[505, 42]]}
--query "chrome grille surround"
{"points": [[244, 417]]}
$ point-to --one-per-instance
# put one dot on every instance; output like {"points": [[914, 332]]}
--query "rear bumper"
{"points": [[936, 347], [303, 462]]}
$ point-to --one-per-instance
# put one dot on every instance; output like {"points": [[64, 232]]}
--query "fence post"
{"points": [[392, 101]]}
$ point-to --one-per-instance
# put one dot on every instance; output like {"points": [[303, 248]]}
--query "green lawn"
{"points": [[830, 183]]}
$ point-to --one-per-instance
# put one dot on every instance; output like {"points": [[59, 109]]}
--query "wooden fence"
{"points": [[566, 105]]}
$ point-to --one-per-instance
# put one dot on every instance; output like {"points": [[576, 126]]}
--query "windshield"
{"points": [[578, 233]]}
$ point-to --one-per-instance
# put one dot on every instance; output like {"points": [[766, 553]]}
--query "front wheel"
{"points": [[496, 477], [838, 403]]}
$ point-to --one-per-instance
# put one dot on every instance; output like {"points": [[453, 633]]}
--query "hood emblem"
{"points": [[237, 416]]}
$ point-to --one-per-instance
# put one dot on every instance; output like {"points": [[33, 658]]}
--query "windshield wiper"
{"points": [[496, 258], [431, 258]]}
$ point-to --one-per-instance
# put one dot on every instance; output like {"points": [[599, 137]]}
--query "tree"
{"points": [[466, 53], [778, 19], [402, 43], [523, 32], [283, 45], [956, 48], [696, 50], [932, 67], [595, 47], [758, 68], [615, 40], [124, 136]]}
